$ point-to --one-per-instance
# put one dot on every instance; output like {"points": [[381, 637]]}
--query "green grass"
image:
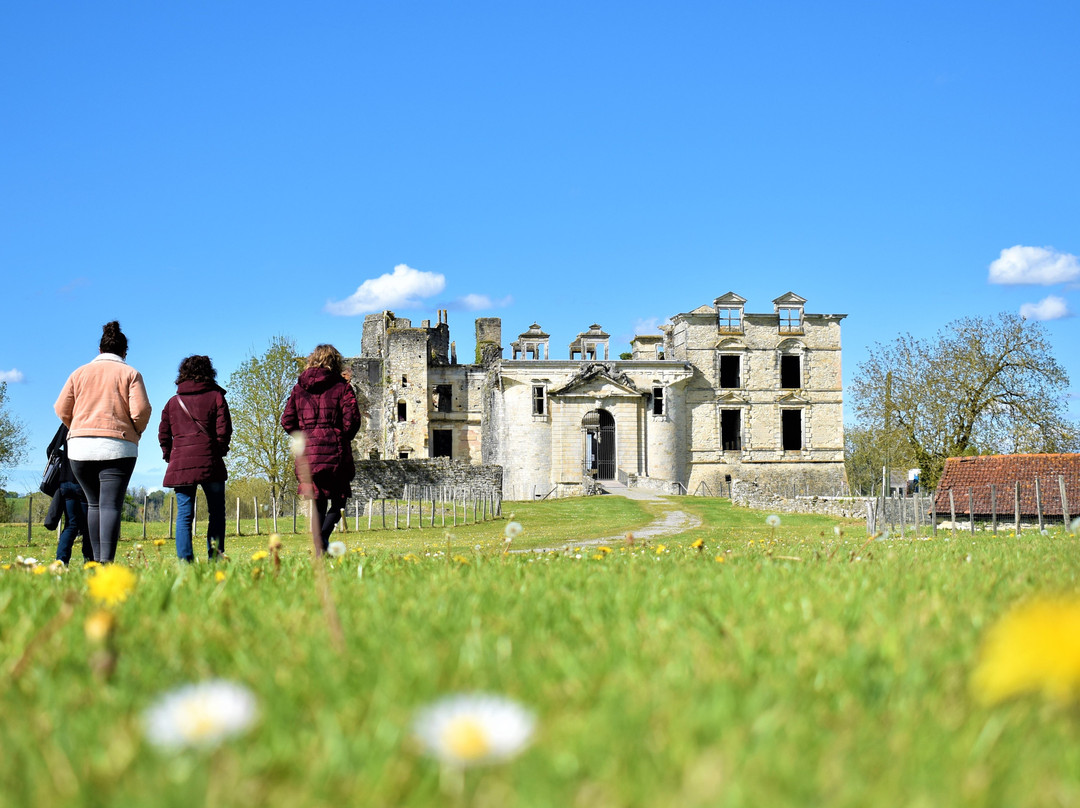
{"points": [[659, 678]]}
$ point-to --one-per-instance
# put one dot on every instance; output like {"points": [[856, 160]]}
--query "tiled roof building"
{"points": [[1004, 472]]}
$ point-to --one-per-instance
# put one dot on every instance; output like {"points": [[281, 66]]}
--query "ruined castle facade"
{"points": [[720, 394]]}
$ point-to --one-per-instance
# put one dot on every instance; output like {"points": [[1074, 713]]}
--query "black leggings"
{"points": [[327, 519], [105, 484]]}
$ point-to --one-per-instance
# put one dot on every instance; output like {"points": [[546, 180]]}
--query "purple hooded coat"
{"points": [[323, 406], [195, 456]]}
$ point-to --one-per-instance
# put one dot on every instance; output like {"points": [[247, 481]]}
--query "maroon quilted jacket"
{"points": [[323, 406], [194, 456]]}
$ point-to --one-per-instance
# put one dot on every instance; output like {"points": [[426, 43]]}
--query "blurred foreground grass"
{"points": [[786, 667]]}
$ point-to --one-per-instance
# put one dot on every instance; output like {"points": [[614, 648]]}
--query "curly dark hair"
{"points": [[196, 368], [113, 340]]}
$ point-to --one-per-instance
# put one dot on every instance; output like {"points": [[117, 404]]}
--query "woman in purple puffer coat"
{"points": [[322, 406], [194, 435]]}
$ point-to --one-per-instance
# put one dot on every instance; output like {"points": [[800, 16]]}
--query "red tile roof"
{"points": [[977, 474]]}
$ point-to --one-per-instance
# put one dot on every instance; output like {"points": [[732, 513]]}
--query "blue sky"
{"points": [[213, 174]]}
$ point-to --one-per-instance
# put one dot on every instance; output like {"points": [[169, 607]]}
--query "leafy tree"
{"points": [[258, 390], [984, 384], [12, 436]]}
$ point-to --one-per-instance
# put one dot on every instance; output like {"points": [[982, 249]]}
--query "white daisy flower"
{"points": [[336, 549], [474, 728], [200, 715], [512, 530], [772, 520]]}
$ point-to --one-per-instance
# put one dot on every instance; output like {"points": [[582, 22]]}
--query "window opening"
{"points": [[790, 319], [791, 430], [403, 455], [538, 399], [402, 411], [731, 430], [373, 454], [658, 401], [443, 397], [442, 441], [404, 380], [729, 370], [730, 318], [790, 372]]}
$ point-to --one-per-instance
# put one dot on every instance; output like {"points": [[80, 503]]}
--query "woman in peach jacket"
{"points": [[105, 408]]}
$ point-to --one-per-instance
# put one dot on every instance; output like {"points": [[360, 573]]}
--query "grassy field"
{"points": [[772, 666]]}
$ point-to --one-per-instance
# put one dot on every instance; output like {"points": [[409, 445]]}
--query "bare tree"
{"points": [[982, 385], [258, 390]]}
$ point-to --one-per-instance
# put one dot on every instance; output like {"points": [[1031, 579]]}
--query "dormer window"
{"points": [[790, 319], [730, 319]]}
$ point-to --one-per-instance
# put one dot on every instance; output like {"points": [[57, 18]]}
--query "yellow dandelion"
{"points": [[598, 557], [1035, 647], [604, 549], [699, 544], [460, 559], [721, 560], [660, 548], [5, 566], [111, 584], [40, 569], [219, 576], [159, 542], [259, 555], [413, 557]]}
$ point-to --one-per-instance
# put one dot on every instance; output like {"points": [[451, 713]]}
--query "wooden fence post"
{"points": [[993, 508], [144, 499], [1064, 503], [952, 512], [933, 513], [256, 501], [971, 510], [237, 517], [273, 510], [29, 520], [1016, 507], [1038, 504]]}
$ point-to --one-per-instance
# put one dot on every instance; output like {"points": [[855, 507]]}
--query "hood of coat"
{"points": [[315, 380], [190, 388]]}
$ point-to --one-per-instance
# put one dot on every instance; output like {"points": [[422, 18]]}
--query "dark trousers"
{"points": [[105, 484], [327, 519], [75, 524]]}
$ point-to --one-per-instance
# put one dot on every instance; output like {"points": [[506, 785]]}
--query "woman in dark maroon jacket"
{"points": [[322, 406], [194, 436]]}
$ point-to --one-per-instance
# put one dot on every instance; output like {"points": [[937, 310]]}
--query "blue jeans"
{"points": [[75, 523], [185, 513], [105, 483]]}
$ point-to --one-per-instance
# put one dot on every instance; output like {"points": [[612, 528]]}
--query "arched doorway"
{"points": [[599, 429]]}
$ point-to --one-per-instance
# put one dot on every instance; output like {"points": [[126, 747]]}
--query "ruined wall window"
{"points": [[730, 318], [790, 319], [404, 381], [539, 402], [403, 455], [731, 430], [373, 454], [443, 397], [791, 430], [442, 441], [730, 365], [790, 372], [402, 411], [658, 401]]}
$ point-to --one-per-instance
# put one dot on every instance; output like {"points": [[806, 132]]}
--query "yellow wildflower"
{"points": [[5, 566], [89, 565], [159, 542], [259, 555], [604, 550], [660, 548], [720, 559], [598, 557], [460, 559], [40, 569], [413, 557], [1035, 647], [698, 544], [219, 576], [111, 584]]}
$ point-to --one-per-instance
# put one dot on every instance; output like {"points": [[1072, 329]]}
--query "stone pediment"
{"points": [[704, 310], [730, 299], [790, 299], [792, 398], [598, 377], [732, 397]]}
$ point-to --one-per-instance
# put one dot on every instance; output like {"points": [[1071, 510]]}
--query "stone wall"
{"points": [[388, 478], [747, 494]]}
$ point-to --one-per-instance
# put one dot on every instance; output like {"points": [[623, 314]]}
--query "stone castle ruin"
{"points": [[720, 394]]}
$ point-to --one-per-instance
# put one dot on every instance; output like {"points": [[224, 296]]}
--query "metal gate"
{"points": [[599, 428]]}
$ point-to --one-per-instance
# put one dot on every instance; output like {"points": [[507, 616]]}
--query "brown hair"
{"points": [[326, 356], [113, 340], [196, 368]]}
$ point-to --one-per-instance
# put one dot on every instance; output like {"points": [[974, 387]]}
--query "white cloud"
{"points": [[1051, 307], [646, 325], [14, 376], [403, 288], [474, 302], [1040, 265]]}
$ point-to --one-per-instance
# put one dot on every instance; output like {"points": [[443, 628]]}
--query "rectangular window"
{"points": [[442, 441], [790, 372], [443, 397], [730, 318], [402, 411], [791, 430], [790, 320], [729, 370], [731, 430], [538, 400], [403, 455], [658, 401]]}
